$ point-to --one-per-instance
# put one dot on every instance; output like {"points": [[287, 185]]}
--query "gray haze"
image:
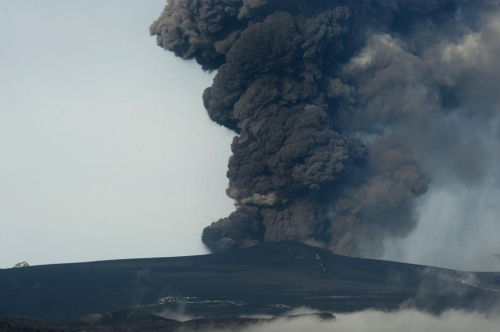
{"points": [[347, 114]]}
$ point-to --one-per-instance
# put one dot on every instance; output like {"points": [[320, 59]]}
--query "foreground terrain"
{"points": [[268, 279], [137, 320]]}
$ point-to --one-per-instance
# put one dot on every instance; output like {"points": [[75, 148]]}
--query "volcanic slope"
{"points": [[271, 278]]}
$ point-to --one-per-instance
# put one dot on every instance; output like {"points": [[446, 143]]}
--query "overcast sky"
{"points": [[107, 151]]}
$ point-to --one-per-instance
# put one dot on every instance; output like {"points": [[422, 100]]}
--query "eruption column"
{"points": [[323, 96]]}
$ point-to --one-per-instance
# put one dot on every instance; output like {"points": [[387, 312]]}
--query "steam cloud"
{"points": [[376, 321], [341, 109]]}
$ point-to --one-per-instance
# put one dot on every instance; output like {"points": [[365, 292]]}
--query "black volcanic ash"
{"points": [[329, 100]]}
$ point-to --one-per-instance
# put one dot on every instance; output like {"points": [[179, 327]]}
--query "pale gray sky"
{"points": [[107, 152], [106, 149]]}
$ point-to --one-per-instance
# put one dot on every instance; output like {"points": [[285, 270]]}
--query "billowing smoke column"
{"points": [[331, 101]]}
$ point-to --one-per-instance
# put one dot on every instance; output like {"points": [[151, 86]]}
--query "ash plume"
{"points": [[339, 107]]}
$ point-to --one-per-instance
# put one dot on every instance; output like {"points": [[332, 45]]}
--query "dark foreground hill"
{"points": [[266, 279], [129, 320]]}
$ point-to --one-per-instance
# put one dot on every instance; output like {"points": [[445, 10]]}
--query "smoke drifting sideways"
{"points": [[344, 110], [376, 321]]}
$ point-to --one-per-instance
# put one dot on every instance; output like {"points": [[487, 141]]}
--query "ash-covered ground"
{"points": [[268, 279]]}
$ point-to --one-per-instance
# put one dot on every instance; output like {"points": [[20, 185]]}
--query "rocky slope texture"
{"points": [[134, 320], [268, 279]]}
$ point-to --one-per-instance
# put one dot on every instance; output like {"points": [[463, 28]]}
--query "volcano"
{"points": [[270, 279]]}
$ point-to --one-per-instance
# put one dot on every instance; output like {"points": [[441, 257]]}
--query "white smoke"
{"points": [[376, 321]]}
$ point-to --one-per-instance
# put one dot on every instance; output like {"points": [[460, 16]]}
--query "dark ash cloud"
{"points": [[334, 104]]}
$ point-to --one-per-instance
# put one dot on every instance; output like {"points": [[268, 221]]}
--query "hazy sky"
{"points": [[107, 151]]}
